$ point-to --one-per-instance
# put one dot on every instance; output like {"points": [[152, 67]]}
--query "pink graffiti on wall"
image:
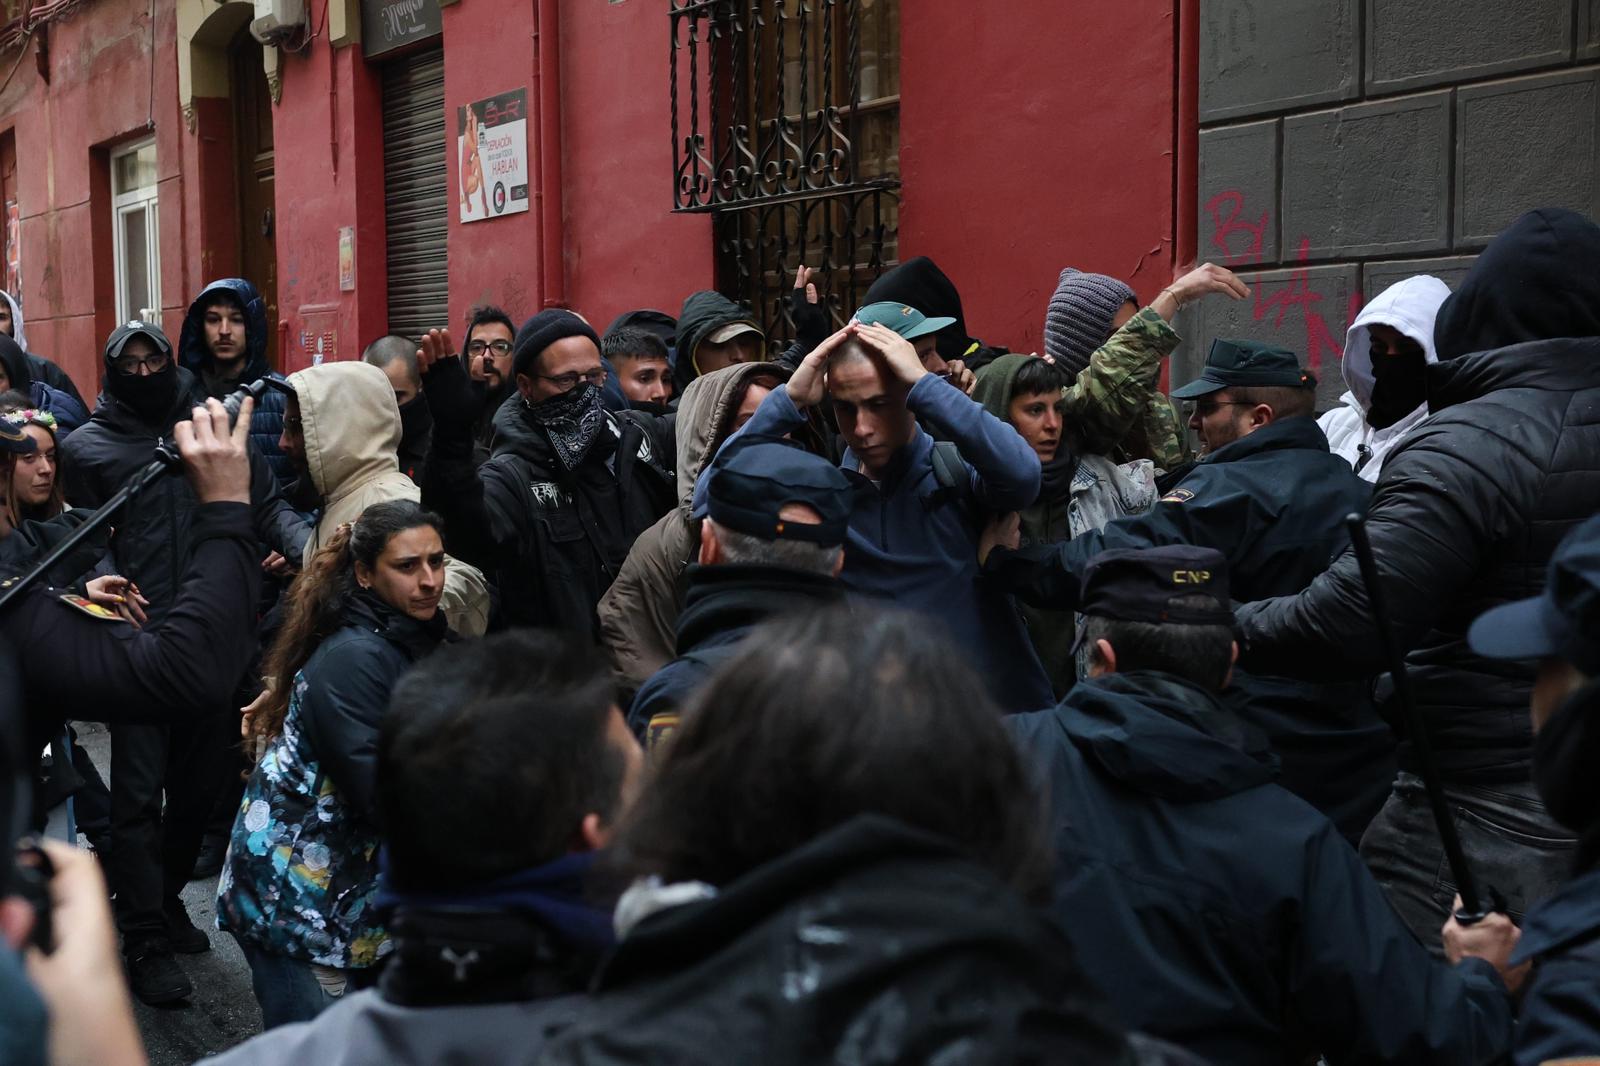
{"points": [[1239, 242]]}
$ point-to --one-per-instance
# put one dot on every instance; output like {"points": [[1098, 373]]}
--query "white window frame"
{"points": [[123, 203]]}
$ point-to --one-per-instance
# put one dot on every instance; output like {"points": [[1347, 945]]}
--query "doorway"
{"points": [[252, 124]]}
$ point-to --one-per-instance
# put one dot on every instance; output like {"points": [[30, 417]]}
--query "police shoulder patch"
{"points": [[1178, 496]]}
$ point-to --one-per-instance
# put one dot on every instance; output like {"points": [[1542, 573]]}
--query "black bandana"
{"points": [[1399, 386], [572, 421]]}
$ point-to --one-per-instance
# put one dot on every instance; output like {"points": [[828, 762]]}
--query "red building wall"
{"points": [[1035, 140], [109, 75], [625, 247], [328, 130]]}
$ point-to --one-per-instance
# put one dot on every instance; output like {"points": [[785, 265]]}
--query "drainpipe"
{"points": [[547, 97], [1186, 163]]}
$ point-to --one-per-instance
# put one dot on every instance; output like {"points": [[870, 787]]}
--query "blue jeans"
{"points": [[1509, 841], [285, 988]]}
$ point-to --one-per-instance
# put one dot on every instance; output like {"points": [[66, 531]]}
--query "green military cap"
{"points": [[1246, 365], [903, 319]]}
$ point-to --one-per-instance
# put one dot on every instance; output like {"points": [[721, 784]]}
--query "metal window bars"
{"points": [[771, 135]]}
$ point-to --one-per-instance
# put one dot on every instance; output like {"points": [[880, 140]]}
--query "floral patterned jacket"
{"points": [[302, 864]]}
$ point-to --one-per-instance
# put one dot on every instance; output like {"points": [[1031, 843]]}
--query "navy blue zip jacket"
{"points": [[915, 544], [266, 424], [1220, 912], [1560, 1017]]}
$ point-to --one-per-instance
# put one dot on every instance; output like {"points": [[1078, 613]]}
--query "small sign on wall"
{"points": [[347, 259], [390, 24], [492, 147]]}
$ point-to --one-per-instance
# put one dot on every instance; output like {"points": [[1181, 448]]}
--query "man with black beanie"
{"points": [[568, 487], [153, 853]]}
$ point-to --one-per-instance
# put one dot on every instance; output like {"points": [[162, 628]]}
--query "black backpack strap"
{"points": [[955, 483]]}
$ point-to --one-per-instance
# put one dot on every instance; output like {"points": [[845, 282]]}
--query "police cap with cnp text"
{"points": [[1150, 584]]}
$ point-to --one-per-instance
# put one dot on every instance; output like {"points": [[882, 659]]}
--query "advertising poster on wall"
{"points": [[492, 146]]}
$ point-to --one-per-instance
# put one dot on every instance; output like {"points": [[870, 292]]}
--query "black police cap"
{"points": [[754, 477], [1246, 365], [1144, 585]]}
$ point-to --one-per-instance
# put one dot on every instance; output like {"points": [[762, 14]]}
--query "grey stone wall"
{"points": [[1347, 144]]}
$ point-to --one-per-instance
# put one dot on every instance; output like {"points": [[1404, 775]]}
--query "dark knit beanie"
{"points": [[543, 330], [1079, 318]]}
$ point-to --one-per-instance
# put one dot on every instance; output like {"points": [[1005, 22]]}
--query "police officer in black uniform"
{"points": [[1269, 495], [1214, 909]]}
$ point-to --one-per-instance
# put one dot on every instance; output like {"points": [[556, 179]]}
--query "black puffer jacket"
{"points": [[153, 536], [873, 943], [1472, 504], [553, 540]]}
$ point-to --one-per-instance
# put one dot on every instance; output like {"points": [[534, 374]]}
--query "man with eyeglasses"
{"points": [[153, 852], [1271, 497], [487, 348], [569, 485]]}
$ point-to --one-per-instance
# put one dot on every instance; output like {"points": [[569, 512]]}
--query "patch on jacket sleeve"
{"points": [[661, 727], [1178, 496]]}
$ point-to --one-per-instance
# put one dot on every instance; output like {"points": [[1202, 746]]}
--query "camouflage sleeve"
{"points": [[1115, 406]]}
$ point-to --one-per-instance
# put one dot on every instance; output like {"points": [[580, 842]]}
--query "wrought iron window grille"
{"points": [[770, 107]]}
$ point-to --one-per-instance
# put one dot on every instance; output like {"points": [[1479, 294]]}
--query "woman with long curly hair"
{"points": [[302, 866]]}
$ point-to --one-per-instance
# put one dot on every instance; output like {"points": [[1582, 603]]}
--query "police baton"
{"points": [[1474, 908]]}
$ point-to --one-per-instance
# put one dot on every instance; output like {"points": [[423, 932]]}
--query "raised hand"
{"points": [[435, 346], [216, 458], [1204, 280], [806, 384], [897, 353]]}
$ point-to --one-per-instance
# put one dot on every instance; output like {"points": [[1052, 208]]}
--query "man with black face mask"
{"points": [[396, 356], [569, 486], [1560, 630], [152, 854], [1387, 352]]}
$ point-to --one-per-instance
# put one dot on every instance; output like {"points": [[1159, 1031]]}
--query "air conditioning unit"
{"points": [[277, 21]]}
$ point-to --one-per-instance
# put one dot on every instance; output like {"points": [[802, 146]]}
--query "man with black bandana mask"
{"points": [[1387, 352], [568, 488], [152, 854]]}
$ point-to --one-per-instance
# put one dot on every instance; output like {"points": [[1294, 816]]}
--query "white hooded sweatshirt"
{"points": [[1409, 306]]}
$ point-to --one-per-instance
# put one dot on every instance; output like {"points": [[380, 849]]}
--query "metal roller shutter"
{"points": [[415, 196]]}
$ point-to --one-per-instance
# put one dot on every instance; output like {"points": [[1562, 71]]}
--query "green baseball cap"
{"points": [[1246, 365], [903, 319]]}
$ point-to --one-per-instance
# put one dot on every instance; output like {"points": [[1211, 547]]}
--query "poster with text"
{"points": [[492, 147]]}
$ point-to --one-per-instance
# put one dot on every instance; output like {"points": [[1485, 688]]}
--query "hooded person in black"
{"points": [[1466, 515], [146, 393], [714, 332], [18, 371], [569, 485], [237, 355], [921, 284]]}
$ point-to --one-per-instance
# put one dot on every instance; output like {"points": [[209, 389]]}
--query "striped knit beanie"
{"points": [[1079, 318]]}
